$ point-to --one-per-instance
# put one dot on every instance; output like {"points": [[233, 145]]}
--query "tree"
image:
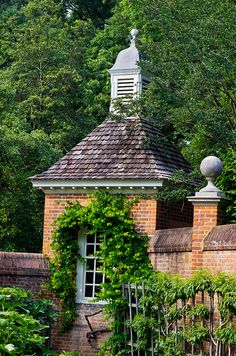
{"points": [[21, 212], [42, 109], [96, 10], [47, 71]]}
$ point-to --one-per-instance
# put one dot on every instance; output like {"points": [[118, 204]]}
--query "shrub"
{"points": [[22, 322]]}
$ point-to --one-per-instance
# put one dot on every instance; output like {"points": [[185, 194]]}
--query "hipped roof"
{"points": [[126, 149]]}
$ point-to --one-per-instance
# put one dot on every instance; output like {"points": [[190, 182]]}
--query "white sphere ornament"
{"points": [[211, 167], [134, 33]]}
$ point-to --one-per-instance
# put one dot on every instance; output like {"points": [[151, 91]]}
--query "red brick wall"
{"points": [[220, 261], [144, 213], [173, 262], [205, 218], [172, 215], [75, 339], [26, 270], [181, 262], [54, 206]]}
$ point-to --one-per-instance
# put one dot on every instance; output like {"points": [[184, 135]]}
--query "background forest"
{"points": [[55, 88]]}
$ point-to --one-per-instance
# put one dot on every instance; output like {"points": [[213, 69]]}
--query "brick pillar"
{"points": [[207, 214], [207, 211]]}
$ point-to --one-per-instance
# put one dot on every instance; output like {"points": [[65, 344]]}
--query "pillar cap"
{"points": [[211, 167]]}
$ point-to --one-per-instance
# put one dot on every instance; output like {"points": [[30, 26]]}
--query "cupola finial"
{"points": [[134, 33], [128, 80]]}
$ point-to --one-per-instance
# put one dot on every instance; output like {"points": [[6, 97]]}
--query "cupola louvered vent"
{"points": [[125, 87]]}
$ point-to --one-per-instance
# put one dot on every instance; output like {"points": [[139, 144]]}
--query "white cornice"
{"points": [[127, 186], [125, 71]]}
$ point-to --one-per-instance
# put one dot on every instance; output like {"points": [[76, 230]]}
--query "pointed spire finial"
{"points": [[134, 33]]}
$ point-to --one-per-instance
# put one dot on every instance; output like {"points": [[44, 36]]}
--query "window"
{"points": [[89, 277]]}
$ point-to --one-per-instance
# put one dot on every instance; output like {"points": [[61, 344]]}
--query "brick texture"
{"points": [[172, 215], [76, 339], [173, 262], [26, 270], [54, 206], [144, 213], [220, 261], [205, 218]]}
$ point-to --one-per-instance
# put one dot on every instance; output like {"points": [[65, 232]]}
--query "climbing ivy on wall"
{"points": [[123, 252]]}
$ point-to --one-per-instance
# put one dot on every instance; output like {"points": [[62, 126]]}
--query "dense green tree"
{"points": [[7, 4], [47, 71], [96, 10], [42, 109], [22, 155]]}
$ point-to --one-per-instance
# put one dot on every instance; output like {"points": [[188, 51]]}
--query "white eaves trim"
{"points": [[80, 186]]}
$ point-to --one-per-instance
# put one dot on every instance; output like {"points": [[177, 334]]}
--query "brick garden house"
{"points": [[130, 156]]}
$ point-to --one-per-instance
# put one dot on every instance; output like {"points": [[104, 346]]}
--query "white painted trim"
{"points": [[80, 273], [96, 183], [127, 186], [80, 268], [125, 71], [212, 201]]}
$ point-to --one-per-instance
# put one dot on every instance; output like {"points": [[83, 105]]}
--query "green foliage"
{"points": [[20, 218], [96, 10], [170, 301], [63, 265], [179, 186], [42, 59], [123, 252], [227, 183], [22, 321]]}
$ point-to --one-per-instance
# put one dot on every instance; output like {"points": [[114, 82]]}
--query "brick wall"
{"points": [[75, 339], [172, 215], [26, 270], [205, 218], [173, 262], [220, 261], [54, 206], [181, 262], [144, 213]]}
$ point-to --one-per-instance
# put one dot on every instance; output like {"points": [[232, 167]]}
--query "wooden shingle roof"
{"points": [[126, 149]]}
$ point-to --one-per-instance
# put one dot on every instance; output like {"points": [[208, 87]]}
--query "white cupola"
{"points": [[127, 80]]}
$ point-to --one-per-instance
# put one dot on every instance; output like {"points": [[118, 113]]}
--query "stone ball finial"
{"points": [[211, 167], [134, 33]]}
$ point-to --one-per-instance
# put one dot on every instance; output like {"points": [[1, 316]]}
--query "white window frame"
{"points": [[81, 270]]}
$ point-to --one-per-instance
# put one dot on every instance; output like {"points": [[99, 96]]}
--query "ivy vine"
{"points": [[123, 252], [178, 311]]}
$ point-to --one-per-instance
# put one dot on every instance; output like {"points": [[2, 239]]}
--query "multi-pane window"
{"points": [[89, 275]]}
